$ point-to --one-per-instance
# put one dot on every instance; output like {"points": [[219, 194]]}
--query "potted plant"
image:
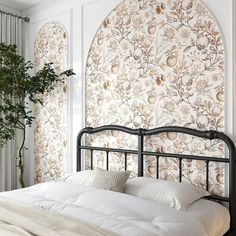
{"points": [[18, 88]]}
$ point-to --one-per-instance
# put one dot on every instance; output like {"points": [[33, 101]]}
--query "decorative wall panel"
{"points": [[155, 63], [50, 124]]}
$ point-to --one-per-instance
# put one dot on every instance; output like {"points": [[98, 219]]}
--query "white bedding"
{"points": [[20, 219], [125, 214]]}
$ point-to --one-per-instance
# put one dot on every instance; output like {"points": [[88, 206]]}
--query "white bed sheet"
{"points": [[125, 214]]}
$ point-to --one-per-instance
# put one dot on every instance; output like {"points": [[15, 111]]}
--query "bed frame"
{"points": [[141, 133]]}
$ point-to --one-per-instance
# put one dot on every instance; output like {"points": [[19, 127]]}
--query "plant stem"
{"points": [[20, 164]]}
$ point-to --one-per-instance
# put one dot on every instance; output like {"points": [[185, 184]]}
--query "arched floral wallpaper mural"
{"points": [[155, 63], [50, 146]]}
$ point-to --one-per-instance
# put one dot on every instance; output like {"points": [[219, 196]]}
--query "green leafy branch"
{"points": [[18, 87]]}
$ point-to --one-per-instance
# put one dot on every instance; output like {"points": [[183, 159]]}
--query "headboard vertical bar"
{"points": [[125, 160], [157, 167], [232, 178], [107, 159], [180, 170], [91, 159], [79, 156], [232, 186], [140, 152], [79, 161], [207, 175]]}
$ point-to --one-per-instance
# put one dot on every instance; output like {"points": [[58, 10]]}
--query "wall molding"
{"points": [[55, 3], [10, 8]]}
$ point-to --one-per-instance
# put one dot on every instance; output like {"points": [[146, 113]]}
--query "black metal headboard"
{"points": [[141, 133]]}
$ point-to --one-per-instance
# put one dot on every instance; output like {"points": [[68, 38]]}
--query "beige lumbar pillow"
{"points": [[110, 180]]}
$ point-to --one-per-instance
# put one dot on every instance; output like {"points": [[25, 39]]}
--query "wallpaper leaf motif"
{"points": [[50, 144], [155, 63]]}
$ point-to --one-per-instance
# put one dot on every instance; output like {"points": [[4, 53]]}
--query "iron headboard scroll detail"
{"points": [[141, 133]]}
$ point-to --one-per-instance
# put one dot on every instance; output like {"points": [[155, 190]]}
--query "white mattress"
{"points": [[125, 214]]}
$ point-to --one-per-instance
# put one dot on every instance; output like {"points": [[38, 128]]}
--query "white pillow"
{"points": [[84, 177], [110, 180], [173, 194]]}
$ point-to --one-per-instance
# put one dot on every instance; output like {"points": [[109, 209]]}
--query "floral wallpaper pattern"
{"points": [[154, 63], [50, 144]]}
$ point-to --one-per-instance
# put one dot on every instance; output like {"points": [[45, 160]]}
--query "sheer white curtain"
{"points": [[11, 32]]}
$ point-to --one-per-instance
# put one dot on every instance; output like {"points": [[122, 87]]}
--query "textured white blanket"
{"points": [[17, 219]]}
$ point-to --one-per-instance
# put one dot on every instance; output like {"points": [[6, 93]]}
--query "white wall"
{"points": [[81, 20]]}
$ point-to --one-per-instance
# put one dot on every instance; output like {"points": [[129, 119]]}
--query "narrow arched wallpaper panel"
{"points": [[50, 144], [155, 63]]}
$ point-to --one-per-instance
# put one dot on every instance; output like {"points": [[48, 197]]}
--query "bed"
{"points": [[71, 206]]}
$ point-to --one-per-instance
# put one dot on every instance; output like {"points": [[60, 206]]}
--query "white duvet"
{"points": [[124, 214]]}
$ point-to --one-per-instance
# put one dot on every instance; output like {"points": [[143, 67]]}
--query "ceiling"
{"points": [[21, 4]]}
